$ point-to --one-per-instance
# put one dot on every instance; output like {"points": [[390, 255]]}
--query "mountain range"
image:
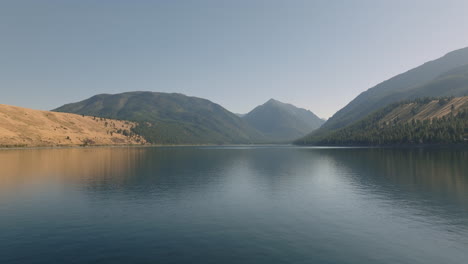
{"points": [[169, 118], [172, 118], [393, 106]]}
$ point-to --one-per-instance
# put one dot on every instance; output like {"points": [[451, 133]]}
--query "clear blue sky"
{"points": [[315, 54]]}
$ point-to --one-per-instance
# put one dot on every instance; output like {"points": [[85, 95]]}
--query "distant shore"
{"points": [[425, 146], [137, 146]]}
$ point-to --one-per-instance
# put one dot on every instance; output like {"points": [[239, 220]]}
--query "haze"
{"points": [[317, 55]]}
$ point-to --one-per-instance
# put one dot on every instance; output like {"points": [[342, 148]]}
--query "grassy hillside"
{"points": [[31, 128], [282, 122], [170, 118], [441, 77], [421, 121]]}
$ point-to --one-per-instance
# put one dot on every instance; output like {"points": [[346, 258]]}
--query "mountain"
{"points": [[169, 118], [282, 122], [22, 127], [420, 121], [451, 83], [445, 76]]}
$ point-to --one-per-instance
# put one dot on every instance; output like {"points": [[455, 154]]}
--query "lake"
{"points": [[258, 204]]}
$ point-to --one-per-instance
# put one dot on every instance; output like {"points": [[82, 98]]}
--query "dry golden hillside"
{"points": [[431, 110], [31, 128]]}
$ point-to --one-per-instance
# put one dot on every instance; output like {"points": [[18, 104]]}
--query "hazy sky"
{"points": [[315, 54]]}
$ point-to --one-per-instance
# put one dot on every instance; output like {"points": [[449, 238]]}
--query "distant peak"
{"points": [[273, 101], [457, 52]]}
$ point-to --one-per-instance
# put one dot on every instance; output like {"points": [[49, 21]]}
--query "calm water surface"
{"points": [[234, 205]]}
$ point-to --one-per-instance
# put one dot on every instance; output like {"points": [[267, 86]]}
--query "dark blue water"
{"points": [[234, 205]]}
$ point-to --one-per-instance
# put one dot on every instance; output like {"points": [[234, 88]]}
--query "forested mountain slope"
{"points": [[420, 121], [170, 118], [445, 76]]}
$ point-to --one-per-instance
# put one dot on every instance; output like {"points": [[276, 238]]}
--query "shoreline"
{"points": [[394, 146], [136, 146], [425, 146]]}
